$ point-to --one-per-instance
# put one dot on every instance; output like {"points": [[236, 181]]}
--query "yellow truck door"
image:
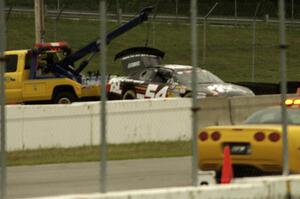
{"points": [[13, 78], [35, 90]]}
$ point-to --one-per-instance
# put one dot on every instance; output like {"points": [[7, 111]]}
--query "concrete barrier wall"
{"points": [[33, 127], [249, 188], [140, 121], [241, 107], [214, 111], [277, 186], [45, 126]]}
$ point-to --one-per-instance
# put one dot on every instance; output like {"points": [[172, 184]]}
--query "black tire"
{"points": [[64, 97], [128, 95], [188, 94]]}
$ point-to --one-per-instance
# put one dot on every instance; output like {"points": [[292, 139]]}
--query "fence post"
{"points": [[254, 43], [292, 11], [56, 20], [195, 106], [2, 103], [235, 11], [58, 5], [176, 10], [9, 12], [119, 12], [103, 153], [283, 48], [39, 21], [204, 33]]}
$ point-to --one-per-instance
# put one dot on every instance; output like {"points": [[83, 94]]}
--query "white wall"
{"points": [[44, 126], [250, 188]]}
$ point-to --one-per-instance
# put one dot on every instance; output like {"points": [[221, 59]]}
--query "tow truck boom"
{"points": [[47, 72], [95, 46]]}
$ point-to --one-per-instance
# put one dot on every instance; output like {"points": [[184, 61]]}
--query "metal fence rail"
{"points": [[73, 14]]}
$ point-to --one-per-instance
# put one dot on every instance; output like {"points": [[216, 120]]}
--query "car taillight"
{"points": [[274, 137], [203, 136], [259, 136], [215, 136]]}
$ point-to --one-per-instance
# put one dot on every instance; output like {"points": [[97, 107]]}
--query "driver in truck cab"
{"points": [[45, 61]]}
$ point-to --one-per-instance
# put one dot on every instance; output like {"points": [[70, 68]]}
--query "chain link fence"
{"points": [[234, 49], [241, 8]]}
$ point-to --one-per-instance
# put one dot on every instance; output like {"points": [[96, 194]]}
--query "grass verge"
{"points": [[91, 153]]}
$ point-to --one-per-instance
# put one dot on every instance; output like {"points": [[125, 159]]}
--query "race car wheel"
{"points": [[64, 97], [130, 94]]}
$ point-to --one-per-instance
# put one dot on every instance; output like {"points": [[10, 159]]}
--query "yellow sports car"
{"points": [[255, 146]]}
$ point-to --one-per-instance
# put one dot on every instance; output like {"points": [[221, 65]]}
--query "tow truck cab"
{"points": [[26, 84]]}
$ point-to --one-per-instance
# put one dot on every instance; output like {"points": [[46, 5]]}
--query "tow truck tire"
{"points": [[128, 95], [64, 97], [188, 94]]}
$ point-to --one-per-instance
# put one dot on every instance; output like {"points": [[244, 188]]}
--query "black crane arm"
{"points": [[95, 46]]}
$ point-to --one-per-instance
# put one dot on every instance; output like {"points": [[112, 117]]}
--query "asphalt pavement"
{"points": [[75, 178]]}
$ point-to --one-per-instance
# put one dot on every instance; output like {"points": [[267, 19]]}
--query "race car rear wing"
{"points": [[138, 58]]}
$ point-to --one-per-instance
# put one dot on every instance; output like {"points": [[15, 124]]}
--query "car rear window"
{"points": [[273, 116]]}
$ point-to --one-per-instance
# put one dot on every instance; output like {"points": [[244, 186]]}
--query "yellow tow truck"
{"points": [[41, 86], [47, 73]]}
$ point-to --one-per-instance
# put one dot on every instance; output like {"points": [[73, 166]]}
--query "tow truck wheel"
{"points": [[130, 94], [65, 97], [188, 94]]}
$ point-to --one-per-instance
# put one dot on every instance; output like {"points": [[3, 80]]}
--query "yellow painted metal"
{"points": [[20, 89], [264, 155]]}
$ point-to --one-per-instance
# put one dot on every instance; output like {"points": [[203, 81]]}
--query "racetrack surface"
{"points": [[74, 178]]}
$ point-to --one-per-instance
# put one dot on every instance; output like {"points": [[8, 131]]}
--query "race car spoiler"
{"points": [[137, 58]]}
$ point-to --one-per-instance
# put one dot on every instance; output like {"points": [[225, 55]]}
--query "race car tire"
{"points": [[130, 94]]}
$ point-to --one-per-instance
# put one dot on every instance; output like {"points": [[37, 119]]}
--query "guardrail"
{"points": [[250, 188], [132, 121]]}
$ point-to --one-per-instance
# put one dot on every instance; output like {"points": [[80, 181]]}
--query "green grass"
{"points": [[229, 48], [91, 153]]}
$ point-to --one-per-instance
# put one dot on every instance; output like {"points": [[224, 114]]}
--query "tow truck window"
{"points": [[28, 59], [11, 63]]}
